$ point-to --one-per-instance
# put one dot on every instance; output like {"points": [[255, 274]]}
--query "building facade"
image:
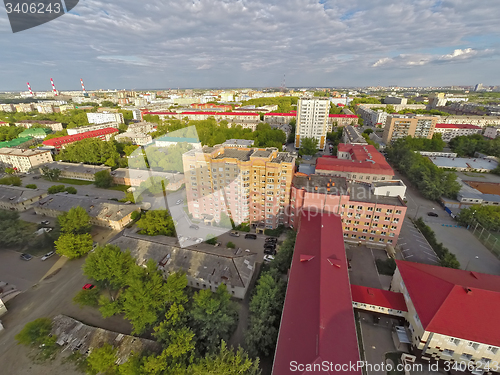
{"points": [[135, 138], [61, 142], [249, 185], [491, 132], [312, 119], [341, 120], [16, 198], [401, 126], [77, 171], [55, 126], [22, 160], [85, 129], [101, 118], [450, 131]]}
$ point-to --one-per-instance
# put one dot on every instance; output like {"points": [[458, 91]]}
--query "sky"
{"points": [[155, 44]]}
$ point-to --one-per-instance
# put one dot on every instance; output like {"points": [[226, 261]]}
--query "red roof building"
{"points": [[450, 131], [378, 297], [356, 162], [452, 313], [342, 120], [317, 327], [60, 142]]}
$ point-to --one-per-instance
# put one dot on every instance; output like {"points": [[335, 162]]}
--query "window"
{"points": [[389, 211], [373, 232], [389, 241], [370, 208], [347, 229], [359, 207], [474, 345], [346, 235], [492, 349], [485, 360], [371, 238], [365, 230], [376, 217], [395, 220], [387, 218], [351, 206], [378, 210], [368, 216], [380, 240], [454, 341], [448, 352], [353, 235], [466, 357]]}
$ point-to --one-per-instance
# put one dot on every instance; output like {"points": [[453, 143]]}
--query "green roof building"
{"points": [[23, 142], [38, 133]]}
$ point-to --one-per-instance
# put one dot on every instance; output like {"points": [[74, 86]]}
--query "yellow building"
{"points": [[401, 126], [23, 160], [248, 184]]}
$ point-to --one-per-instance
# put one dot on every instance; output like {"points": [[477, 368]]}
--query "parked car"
{"points": [[268, 258], [218, 244], [269, 252], [88, 286], [26, 257], [269, 246], [199, 240], [250, 236], [45, 222], [179, 201], [234, 233], [194, 226], [433, 214], [48, 255], [271, 239]]}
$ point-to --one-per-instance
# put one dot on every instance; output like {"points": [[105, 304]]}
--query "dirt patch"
{"points": [[53, 274], [485, 187]]}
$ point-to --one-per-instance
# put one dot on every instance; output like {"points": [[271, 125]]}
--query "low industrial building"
{"points": [[22, 160], [464, 164], [205, 266], [16, 198], [135, 177], [37, 133], [61, 142], [238, 143], [22, 142], [85, 129], [167, 141], [77, 171], [102, 212]]}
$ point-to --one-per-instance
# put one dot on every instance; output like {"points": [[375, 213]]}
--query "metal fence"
{"points": [[491, 240]]}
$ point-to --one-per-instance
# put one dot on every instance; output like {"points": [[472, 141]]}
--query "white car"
{"points": [[199, 240], [268, 258], [48, 255], [179, 201]]}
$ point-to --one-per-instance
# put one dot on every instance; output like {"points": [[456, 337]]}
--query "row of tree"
{"points": [[432, 181], [446, 258], [75, 240], [487, 216], [470, 144]]}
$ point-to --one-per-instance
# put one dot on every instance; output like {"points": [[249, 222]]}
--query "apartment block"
{"points": [[55, 126], [356, 162], [24, 107], [450, 131], [135, 138], [85, 129], [371, 117], [101, 118], [23, 160], [15, 198], [2, 123], [77, 171], [491, 132], [7, 108], [458, 323], [142, 127], [341, 120], [401, 126], [312, 120], [366, 217], [481, 121], [248, 184], [277, 119]]}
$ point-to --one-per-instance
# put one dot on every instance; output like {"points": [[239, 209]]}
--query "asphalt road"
{"points": [[414, 247]]}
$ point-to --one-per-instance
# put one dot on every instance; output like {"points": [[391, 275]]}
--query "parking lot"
{"points": [[413, 245]]}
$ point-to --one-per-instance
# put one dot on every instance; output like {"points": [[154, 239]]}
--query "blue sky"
{"points": [[253, 43]]}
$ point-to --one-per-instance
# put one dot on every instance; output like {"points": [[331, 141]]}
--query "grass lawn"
{"points": [[71, 181], [123, 188]]}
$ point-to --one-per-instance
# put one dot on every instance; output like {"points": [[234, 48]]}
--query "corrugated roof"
{"points": [[378, 297], [59, 141], [457, 126]]}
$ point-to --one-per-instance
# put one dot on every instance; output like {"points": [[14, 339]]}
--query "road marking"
{"points": [[425, 243], [409, 256], [405, 250], [401, 244]]}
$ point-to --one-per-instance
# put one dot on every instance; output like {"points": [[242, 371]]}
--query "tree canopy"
{"points": [[469, 145], [103, 179], [73, 245], [76, 221], [308, 146], [157, 222], [13, 231], [91, 151]]}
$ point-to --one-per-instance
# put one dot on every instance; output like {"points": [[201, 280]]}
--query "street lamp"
{"points": [[476, 257]]}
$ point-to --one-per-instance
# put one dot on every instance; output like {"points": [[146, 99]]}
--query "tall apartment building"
{"points": [[24, 159], [401, 126], [312, 119], [101, 118], [249, 185]]}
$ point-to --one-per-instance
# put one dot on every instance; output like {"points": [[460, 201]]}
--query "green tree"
{"points": [[87, 297], [54, 189], [309, 146], [157, 222], [76, 221], [51, 173], [230, 245], [214, 317], [73, 245], [35, 333], [103, 179], [31, 186], [109, 265], [102, 360], [13, 231], [11, 180], [226, 362], [70, 190]]}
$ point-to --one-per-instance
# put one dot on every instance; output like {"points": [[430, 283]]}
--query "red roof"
{"points": [[378, 297], [281, 114], [350, 116], [318, 320], [457, 126], [360, 154], [160, 113], [452, 302], [58, 142]]}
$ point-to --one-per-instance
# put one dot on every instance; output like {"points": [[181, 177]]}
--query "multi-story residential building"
{"points": [[7, 108], [395, 100], [142, 127], [249, 185], [481, 121], [491, 132], [372, 117], [77, 171], [341, 120], [61, 142], [205, 267], [237, 117], [136, 138], [15, 198], [277, 119], [102, 212], [85, 129], [136, 114], [356, 162], [401, 126], [55, 126], [450, 314], [450, 131], [2, 123], [366, 217], [101, 118], [45, 108], [24, 107], [23, 160], [167, 141], [312, 118], [437, 100]]}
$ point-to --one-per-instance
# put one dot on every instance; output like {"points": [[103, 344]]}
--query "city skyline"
{"points": [[215, 43]]}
